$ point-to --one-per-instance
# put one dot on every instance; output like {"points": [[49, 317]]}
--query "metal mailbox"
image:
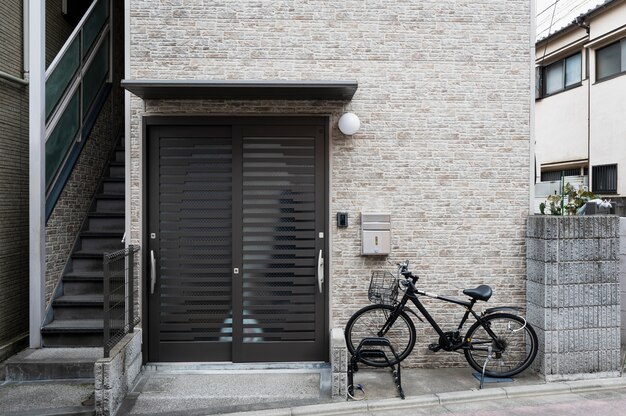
{"points": [[375, 234]]}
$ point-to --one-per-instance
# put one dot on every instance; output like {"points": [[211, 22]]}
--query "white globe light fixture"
{"points": [[349, 124]]}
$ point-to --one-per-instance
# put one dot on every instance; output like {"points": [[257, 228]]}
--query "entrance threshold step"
{"points": [[228, 367], [52, 364]]}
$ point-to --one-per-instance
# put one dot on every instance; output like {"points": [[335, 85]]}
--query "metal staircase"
{"points": [[75, 319]]}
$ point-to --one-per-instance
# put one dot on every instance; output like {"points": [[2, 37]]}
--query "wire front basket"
{"points": [[383, 288]]}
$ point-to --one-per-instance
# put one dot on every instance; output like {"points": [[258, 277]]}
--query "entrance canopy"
{"points": [[242, 90]]}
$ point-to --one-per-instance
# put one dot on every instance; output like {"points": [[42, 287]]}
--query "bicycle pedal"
{"points": [[434, 347]]}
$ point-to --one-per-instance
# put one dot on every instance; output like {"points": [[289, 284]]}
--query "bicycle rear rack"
{"points": [[368, 349]]}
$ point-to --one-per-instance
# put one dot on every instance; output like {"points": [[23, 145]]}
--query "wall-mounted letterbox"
{"points": [[375, 234]]}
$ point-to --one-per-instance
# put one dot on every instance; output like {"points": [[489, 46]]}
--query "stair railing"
{"points": [[119, 296], [77, 83]]}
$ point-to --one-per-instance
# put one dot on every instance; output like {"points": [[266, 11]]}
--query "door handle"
{"points": [[152, 272], [320, 272]]}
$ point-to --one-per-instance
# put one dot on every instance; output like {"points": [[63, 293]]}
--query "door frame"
{"points": [[191, 120]]}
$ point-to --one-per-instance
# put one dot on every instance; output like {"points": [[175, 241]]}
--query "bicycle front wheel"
{"points": [[370, 321], [513, 349]]}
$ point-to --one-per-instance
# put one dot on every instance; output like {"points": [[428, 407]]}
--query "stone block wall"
{"points": [[13, 182], [573, 295], [116, 375], [444, 102]]}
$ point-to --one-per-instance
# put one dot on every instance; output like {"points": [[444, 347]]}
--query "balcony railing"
{"points": [[76, 85]]}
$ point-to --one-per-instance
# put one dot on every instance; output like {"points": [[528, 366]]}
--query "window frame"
{"points": [[596, 170], [622, 48], [543, 70]]}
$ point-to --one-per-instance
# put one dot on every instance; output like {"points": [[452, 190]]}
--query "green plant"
{"points": [[542, 208], [575, 198]]}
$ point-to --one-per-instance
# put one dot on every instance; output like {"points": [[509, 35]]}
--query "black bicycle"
{"points": [[499, 344]]}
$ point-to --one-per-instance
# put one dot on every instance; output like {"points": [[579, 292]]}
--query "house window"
{"points": [[611, 60], [555, 175], [562, 74], [604, 179]]}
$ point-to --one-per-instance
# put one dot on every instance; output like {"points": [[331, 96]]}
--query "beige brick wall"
{"points": [[13, 178], [444, 103]]}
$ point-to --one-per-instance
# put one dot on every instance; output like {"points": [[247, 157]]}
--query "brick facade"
{"points": [[444, 102], [13, 179]]}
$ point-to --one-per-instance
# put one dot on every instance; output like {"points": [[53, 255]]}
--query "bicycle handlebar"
{"points": [[404, 271]]}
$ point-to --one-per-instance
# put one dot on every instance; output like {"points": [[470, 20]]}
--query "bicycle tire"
{"points": [[513, 351], [369, 321]]}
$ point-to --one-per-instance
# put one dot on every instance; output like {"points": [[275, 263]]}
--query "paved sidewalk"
{"points": [[291, 392]]}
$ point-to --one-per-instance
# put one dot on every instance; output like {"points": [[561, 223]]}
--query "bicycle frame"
{"points": [[412, 294]]}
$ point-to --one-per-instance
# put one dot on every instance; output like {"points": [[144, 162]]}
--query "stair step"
{"points": [[110, 203], [88, 261], [116, 169], [101, 240], [114, 185], [73, 333], [52, 364], [106, 221], [79, 300]]}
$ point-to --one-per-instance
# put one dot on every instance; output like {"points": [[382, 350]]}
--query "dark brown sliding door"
{"points": [[236, 231]]}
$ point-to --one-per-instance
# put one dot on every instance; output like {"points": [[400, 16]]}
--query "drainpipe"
{"points": [[12, 78], [580, 21], [36, 168]]}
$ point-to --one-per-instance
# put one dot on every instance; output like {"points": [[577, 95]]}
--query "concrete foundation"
{"points": [[573, 295]]}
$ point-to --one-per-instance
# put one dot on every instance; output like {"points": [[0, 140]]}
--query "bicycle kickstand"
{"points": [[482, 375]]}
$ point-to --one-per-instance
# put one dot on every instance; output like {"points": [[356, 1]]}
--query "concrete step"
{"points": [[52, 364]]}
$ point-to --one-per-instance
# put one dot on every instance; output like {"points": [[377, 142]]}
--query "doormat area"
{"points": [[492, 379]]}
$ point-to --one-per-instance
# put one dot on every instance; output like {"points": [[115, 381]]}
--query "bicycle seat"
{"points": [[482, 292]]}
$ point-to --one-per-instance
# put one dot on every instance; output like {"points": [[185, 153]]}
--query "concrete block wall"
{"points": [[573, 296], [13, 183], [444, 102]]}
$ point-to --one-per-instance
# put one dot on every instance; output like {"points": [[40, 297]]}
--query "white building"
{"points": [[580, 107]]}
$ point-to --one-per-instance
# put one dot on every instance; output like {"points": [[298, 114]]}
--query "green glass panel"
{"points": [[62, 137], [60, 78], [95, 76], [94, 24]]}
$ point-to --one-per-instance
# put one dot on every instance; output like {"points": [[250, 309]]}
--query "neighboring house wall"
{"points": [[13, 180], [444, 145], [587, 122]]}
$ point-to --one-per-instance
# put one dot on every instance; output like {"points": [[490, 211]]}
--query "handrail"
{"points": [[118, 295], [68, 42], [76, 87]]}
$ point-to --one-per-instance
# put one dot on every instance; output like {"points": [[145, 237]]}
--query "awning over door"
{"points": [[242, 90]]}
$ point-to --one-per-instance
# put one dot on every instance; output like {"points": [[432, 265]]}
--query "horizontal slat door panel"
{"points": [[195, 243], [279, 224]]}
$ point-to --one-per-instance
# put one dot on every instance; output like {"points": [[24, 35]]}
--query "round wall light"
{"points": [[349, 124]]}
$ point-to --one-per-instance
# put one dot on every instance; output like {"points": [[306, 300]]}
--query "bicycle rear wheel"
{"points": [[369, 322], [513, 349]]}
